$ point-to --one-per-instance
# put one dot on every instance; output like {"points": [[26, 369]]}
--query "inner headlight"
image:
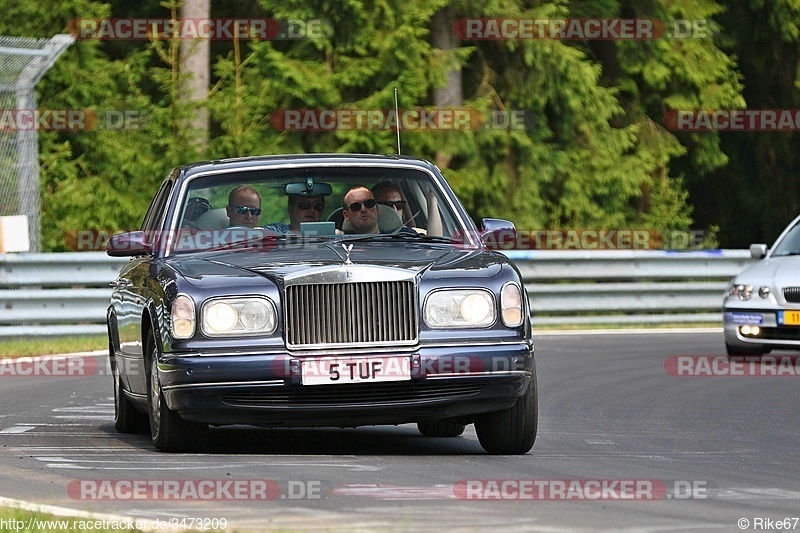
{"points": [[744, 292], [460, 308], [511, 305], [238, 316]]}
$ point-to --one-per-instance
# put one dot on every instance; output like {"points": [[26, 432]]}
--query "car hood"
{"points": [[777, 272], [431, 260]]}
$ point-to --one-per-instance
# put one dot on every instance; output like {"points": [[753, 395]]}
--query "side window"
{"points": [[156, 211]]}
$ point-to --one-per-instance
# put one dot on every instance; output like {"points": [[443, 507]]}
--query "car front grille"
{"points": [[347, 314], [791, 294], [364, 394]]}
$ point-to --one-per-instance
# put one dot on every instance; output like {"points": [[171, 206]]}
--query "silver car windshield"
{"points": [[789, 244]]}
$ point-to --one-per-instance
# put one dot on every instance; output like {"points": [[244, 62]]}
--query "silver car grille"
{"points": [[348, 314], [791, 295]]}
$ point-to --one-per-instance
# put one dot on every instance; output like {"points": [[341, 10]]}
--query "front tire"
{"points": [[126, 418], [169, 432], [511, 431]]}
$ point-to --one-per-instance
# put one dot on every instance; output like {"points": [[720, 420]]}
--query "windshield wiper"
{"points": [[242, 243], [397, 235]]}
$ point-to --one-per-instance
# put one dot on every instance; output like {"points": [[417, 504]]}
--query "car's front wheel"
{"points": [[170, 433], [126, 418], [440, 428], [511, 431]]}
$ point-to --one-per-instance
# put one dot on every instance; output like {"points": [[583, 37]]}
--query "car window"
{"points": [[154, 215]]}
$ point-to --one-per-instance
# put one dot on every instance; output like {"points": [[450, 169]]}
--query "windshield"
{"points": [[789, 244], [284, 206]]}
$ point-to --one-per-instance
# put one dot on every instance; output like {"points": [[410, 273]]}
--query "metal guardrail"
{"points": [[68, 293], [626, 286]]}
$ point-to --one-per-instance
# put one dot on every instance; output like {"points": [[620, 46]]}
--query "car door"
{"points": [[130, 295]]}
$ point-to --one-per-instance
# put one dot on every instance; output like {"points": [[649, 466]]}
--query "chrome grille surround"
{"points": [[350, 306], [791, 295]]}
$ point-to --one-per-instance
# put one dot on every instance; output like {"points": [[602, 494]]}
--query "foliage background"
{"points": [[597, 156]]}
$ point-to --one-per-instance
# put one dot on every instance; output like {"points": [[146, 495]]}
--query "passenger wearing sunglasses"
{"points": [[244, 206], [361, 210], [388, 194]]}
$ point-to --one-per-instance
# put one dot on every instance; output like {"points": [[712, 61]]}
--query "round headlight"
{"points": [[476, 308], [220, 317], [441, 310], [764, 292], [255, 315], [744, 291]]}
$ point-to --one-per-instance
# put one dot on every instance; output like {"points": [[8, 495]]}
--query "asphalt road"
{"points": [[702, 452]]}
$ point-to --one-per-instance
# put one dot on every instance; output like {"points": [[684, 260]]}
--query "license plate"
{"points": [[790, 318], [367, 369]]}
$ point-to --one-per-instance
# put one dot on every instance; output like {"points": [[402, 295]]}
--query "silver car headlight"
{"points": [[744, 292], [460, 308], [238, 316]]}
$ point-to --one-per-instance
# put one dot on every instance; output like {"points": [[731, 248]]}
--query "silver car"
{"points": [[762, 304]]}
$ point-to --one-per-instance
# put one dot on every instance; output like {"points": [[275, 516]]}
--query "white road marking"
{"points": [[13, 430]]}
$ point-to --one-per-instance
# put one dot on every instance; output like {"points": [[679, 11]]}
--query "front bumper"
{"points": [[264, 390], [738, 325]]}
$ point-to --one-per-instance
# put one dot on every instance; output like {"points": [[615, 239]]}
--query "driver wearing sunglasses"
{"points": [[244, 206], [301, 209], [304, 209]]}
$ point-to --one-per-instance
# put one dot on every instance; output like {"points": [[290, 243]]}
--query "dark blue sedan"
{"points": [[319, 290]]}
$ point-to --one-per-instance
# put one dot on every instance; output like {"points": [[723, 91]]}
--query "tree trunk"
{"points": [[195, 55], [451, 95]]}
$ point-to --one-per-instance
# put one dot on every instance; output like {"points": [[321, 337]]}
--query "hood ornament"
{"points": [[347, 249]]}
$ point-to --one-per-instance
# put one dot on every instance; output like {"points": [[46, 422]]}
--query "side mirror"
{"points": [[498, 234], [758, 251], [128, 244]]}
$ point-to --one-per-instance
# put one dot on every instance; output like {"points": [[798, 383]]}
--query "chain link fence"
{"points": [[23, 62]]}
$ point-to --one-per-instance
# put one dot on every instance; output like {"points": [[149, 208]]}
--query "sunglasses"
{"points": [[397, 204], [356, 206], [243, 210], [305, 204]]}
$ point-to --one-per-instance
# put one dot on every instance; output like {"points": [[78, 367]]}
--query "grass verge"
{"points": [[24, 347]]}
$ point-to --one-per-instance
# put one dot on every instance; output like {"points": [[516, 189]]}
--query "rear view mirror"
{"points": [[308, 188]]}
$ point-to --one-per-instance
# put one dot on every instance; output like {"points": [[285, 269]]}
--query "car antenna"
{"points": [[397, 117]]}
